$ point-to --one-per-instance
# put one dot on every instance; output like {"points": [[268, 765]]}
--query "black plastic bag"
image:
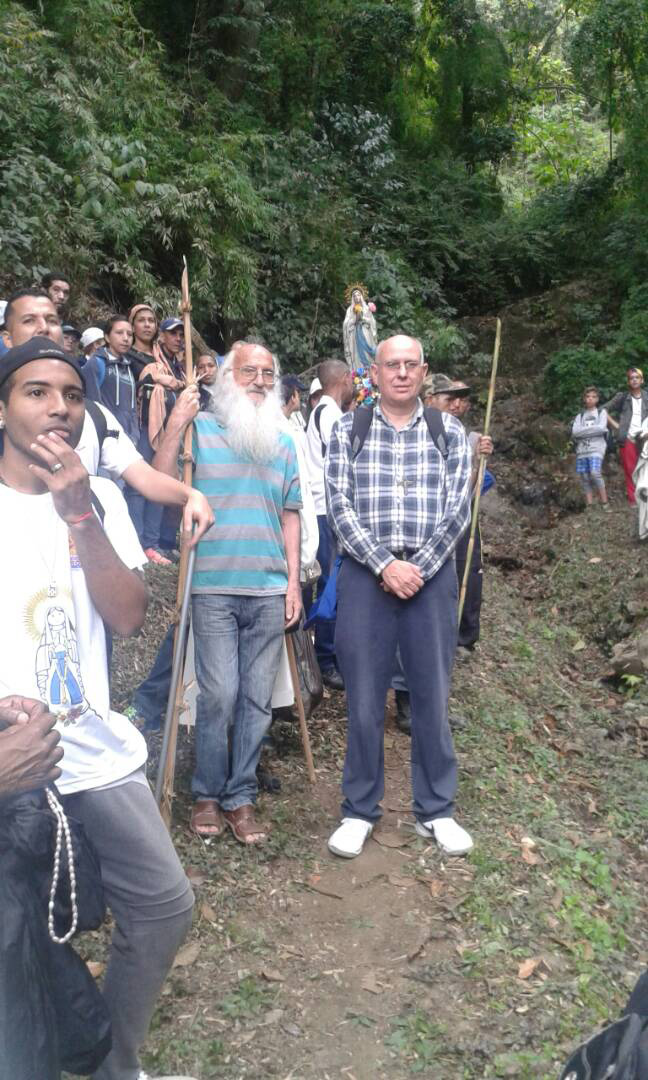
{"points": [[310, 676], [620, 1050]]}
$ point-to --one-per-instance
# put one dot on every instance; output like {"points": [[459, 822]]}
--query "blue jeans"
{"points": [[424, 628], [151, 697], [238, 646], [325, 630], [145, 515]]}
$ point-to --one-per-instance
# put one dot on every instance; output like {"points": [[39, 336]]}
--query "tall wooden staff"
{"points": [[166, 770], [480, 472]]}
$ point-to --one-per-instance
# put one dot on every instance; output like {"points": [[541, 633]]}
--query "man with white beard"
{"points": [[245, 586]]}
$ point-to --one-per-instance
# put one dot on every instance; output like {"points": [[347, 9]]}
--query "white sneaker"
{"points": [[349, 839], [450, 837]]}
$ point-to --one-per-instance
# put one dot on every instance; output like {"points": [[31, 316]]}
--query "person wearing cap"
{"points": [[69, 562], [337, 393], [398, 504], [109, 375], [91, 340], [71, 339], [315, 392], [631, 408], [30, 312], [160, 381]]}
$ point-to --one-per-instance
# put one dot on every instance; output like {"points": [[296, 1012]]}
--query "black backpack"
{"points": [[98, 418], [363, 416], [620, 1050]]}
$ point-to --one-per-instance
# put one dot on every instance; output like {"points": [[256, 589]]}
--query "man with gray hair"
{"points": [[398, 490], [246, 582], [337, 393]]}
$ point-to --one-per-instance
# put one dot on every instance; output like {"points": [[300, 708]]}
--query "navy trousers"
{"points": [[371, 625]]}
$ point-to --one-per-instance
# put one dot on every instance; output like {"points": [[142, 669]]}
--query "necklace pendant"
{"points": [[52, 589]]}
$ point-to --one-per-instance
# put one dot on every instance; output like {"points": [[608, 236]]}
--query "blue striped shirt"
{"points": [[243, 552]]}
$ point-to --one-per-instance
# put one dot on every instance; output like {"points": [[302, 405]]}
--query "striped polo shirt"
{"points": [[243, 552]]}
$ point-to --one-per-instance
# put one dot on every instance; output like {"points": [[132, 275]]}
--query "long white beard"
{"points": [[252, 430]]}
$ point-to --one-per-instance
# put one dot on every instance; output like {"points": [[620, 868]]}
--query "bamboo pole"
{"points": [[480, 471], [294, 674], [166, 770]]}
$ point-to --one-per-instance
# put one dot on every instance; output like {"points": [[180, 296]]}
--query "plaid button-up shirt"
{"points": [[399, 494]]}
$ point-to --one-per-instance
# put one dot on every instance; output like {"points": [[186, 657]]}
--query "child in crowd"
{"points": [[589, 431]]}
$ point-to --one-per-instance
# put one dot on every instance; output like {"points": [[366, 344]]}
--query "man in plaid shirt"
{"points": [[398, 509]]}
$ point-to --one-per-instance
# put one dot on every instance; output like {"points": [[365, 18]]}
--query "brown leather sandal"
{"points": [[245, 826], [207, 818]]}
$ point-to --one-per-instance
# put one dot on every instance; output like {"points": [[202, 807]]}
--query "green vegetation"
{"points": [[453, 154]]}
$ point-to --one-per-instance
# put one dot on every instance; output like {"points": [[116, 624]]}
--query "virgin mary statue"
{"points": [[359, 331]]}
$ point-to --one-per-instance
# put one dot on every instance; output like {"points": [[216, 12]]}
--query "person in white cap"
{"points": [[91, 340], [314, 394]]}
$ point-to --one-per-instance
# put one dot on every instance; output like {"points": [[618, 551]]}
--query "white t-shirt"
{"points": [[327, 416], [307, 514], [116, 453], [635, 423], [52, 639]]}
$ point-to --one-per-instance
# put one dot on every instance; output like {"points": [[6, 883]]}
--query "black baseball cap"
{"points": [[37, 348], [67, 329], [292, 382]]}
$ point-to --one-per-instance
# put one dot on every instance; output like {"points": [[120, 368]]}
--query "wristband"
{"points": [[84, 517]]}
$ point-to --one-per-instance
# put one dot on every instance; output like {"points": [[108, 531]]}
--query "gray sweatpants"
{"points": [[151, 901]]}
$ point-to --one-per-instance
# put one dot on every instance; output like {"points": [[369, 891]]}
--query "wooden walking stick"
{"points": [[166, 769], [480, 472], [294, 674]]}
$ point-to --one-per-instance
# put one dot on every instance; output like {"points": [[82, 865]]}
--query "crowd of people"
{"points": [[373, 504]]}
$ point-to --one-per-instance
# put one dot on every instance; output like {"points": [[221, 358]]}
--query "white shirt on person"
{"points": [[52, 638], [316, 444], [117, 453], [635, 423]]}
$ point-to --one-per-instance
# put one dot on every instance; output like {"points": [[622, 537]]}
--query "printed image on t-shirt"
{"points": [[58, 669]]}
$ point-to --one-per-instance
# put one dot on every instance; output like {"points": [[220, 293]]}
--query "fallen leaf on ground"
{"points": [[399, 881], [596, 559], [272, 975], [527, 967], [314, 883], [371, 983], [196, 876], [95, 967], [207, 912], [187, 955], [529, 855], [579, 646], [272, 1017]]}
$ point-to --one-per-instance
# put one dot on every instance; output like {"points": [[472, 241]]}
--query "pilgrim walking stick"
{"points": [[294, 675], [480, 472], [166, 768]]}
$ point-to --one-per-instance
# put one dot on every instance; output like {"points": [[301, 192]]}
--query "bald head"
{"points": [[396, 344], [330, 373]]}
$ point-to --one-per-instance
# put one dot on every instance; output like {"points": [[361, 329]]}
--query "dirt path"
{"points": [[306, 967]]}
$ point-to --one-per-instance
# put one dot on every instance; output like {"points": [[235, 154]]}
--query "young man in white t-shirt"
{"points": [[30, 312], [68, 560]]}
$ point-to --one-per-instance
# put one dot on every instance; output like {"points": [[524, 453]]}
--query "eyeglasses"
{"points": [[396, 365], [251, 373]]}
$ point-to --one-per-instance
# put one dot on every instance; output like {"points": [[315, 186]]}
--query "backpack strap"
{"points": [[98, 418], [97, 506], [363, 416], [434, 421], [317, 419]]}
